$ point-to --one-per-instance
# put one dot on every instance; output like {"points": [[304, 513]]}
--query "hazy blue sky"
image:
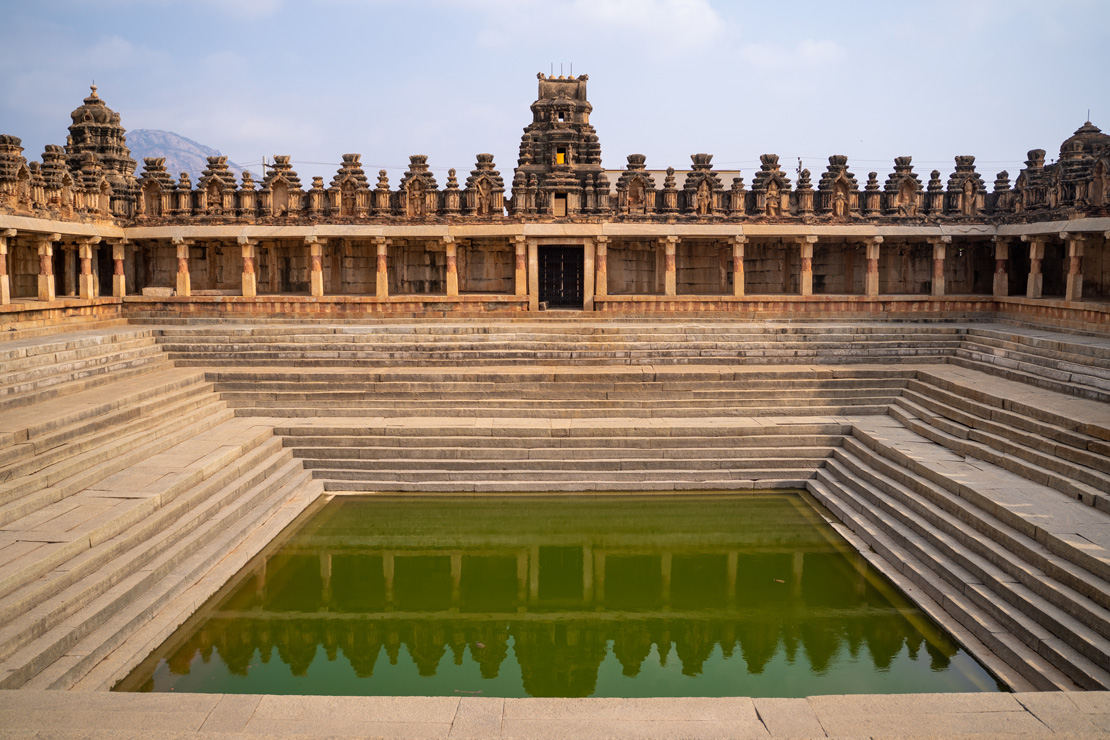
{"points": [[451, 78]]}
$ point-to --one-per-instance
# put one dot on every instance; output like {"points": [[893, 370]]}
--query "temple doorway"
{"points": [[561, 276]]}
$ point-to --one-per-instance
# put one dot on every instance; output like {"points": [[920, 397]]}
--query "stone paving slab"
{"points": [[53, 714]]}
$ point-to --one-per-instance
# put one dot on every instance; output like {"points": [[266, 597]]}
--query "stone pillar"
{"points": [[521, 267], [601, 267], [871, 279], [1001, 267], [184, 286], [315, 265], [5, 279], [250, 279], [738, 243], [70, 270], [533, 276], [452, 266], [119, 280], [86, 283], [1035, 283], [805, 281], [382, 284], [45, 243], [588, 274], [1074, 290], [939, 249], [670, 279]]}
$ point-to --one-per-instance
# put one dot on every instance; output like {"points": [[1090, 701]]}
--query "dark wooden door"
{"points": [[561, 271]]}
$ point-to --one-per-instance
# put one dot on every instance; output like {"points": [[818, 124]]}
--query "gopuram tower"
{"points": [[559, 172]]}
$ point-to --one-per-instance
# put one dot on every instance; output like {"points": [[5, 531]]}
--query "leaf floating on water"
{"points": [[460, 691], [479, 644], [779, 580]]}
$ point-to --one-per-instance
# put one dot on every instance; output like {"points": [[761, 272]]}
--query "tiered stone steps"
{"points": [[114, 501], [618, 455], [561, 393], [545, 343], [33, 370], [1074, 365], [998, 552]]}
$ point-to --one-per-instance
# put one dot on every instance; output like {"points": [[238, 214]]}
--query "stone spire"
{"points": [[96, 129]]}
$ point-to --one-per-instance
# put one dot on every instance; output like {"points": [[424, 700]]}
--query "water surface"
{"points": [[693, 595]]}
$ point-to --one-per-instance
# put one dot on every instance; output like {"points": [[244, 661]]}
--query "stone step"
{"points": [[774, 480], [493, 465], [600, 411], [555, 398], [631, 387], [513, 455], [1087, 485], [589, 330], [63, 478], [47, 347], [619, 430], [301, 360], [1068, 644], [895, 557], [798, 469], [137, 588]]}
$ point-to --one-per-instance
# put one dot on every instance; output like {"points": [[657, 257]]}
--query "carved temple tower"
{"points": [[559, 172], [96, 130]]}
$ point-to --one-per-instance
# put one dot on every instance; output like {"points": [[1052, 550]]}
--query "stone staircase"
{"points": [[553, 343], [997, 552], [618, 455], [119, 491], [32, 370]]}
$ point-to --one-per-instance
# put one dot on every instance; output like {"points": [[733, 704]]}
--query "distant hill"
{"points": [[182, 155]]}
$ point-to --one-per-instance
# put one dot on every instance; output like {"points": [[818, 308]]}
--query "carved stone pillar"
{"points": [[670, 271], [86, 284], [1074, 290], [184, 285], [45, 244], [520, 274], [939, 249], [533, 276], [1001, 267], [588, 274], [452, 266], [5, 279], [738, 243], [382, 280], [1035, 284], [250, 278], [119, 280], [805, 283], [601, 267], [70, 270], [315, 265], [871, 279]]}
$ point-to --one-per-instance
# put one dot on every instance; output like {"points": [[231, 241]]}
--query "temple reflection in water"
{"points": [[746, 595]]}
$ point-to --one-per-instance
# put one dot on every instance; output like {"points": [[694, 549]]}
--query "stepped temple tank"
{"points": [[562, 232], [750, 595], [191, 365]]}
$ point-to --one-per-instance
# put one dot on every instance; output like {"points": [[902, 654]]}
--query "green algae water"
{"points": [[617, 596]]}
